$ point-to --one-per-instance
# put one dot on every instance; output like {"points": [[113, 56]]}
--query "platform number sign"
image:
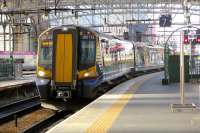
{"points": [[165, 20]]}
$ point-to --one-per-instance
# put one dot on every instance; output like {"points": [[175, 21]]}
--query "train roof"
{"points": [[143, 44], [103, 35], [70, 26]]}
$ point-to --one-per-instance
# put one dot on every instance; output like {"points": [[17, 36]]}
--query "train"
{"points": [[74, 60]]}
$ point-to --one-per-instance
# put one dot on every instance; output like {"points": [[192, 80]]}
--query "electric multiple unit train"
{"points": [[74, 60]]}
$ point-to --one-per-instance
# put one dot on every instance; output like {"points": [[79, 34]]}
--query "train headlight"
{"points": [[86, 74], [89, 74], [64, 28], [41, 73]]}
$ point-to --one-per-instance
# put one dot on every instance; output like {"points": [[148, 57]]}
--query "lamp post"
{"points": [[182, 73], [182, 70], [29, 38], [182, 104], [4, 34]]}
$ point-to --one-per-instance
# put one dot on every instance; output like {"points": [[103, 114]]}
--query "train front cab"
{"points": [[67, 62], [64, 65], [57, 62], [90, 73]]}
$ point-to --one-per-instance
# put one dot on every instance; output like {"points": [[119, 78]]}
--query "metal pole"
{"points": [[29, 39], [164, 34], [199, 95], [182, 72], [16, 122], [134, 50], [4, 36], [165, 54], [13, 47], [10, 40]]}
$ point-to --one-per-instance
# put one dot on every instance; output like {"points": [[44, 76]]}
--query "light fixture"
{"points": [[45, 16]]}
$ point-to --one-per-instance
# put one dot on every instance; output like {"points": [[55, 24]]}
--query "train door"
{"points": [[65, 61]]}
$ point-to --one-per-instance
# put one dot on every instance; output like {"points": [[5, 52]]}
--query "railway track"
{"points": [[9, 111], [43, 125], [17, 97], [29, 122], [58, 116]]}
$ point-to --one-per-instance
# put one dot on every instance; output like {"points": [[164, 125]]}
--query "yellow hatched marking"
{"points": [[106, 120]]}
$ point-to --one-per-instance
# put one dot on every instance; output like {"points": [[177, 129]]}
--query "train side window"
{"points": [[45, 56], [87, 53]]}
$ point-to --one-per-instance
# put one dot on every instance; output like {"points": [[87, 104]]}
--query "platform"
{"points": [[140, 105], [14, 83]]}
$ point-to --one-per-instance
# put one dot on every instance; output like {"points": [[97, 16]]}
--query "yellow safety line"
{"points": [[105, 121]]}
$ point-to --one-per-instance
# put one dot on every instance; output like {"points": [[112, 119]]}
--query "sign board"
{"points": [[165, 20]]}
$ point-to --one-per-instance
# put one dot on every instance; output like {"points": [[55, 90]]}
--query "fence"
{"points": [[6, 69], [194, 70]]}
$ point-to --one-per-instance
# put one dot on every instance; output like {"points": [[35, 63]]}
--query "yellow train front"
{"points": [[67, 62], [73, 61]]}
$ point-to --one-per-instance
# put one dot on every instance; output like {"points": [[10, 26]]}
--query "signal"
{"points": [[198, 40], [186, 40], [197, 36], [185, 37], [165, 20]]}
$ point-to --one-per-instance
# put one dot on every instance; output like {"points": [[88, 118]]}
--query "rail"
{"points": [[17, 97], [18, 108], [48, 121]]}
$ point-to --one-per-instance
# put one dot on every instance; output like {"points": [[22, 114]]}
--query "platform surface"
{"points": [[11, 83], [140, 105]]}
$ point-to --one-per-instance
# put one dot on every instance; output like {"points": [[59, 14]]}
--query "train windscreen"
{"points": [[45, 54], [87, 51]]}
